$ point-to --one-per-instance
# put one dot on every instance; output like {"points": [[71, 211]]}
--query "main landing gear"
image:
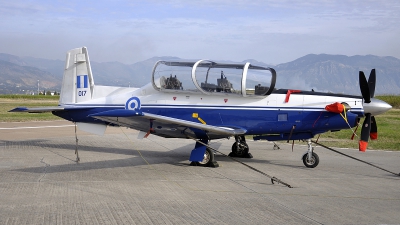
{"points": [[208, 159], [310, 158], [202, 155], [240, 148]]}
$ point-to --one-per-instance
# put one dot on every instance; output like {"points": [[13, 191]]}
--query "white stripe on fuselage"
{"points": [[192, 100], [272, 102]]}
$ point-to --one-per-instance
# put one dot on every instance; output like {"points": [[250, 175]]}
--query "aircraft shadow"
{"points": [[175, 156]]}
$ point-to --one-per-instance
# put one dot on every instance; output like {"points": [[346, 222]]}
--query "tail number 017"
{"points": [[81, 93]]}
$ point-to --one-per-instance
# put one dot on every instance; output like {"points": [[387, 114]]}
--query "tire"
{"points": [[242, 151], [313, 162], [208, 158]]}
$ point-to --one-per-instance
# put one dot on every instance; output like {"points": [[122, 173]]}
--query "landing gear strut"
{"points": [[310, 158], [240, 148]]}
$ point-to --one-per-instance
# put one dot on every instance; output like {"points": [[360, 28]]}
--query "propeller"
{"points": [[364, 87], [369, 127]]}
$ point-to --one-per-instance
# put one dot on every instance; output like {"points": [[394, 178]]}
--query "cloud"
{"points": [[20, 8], [271, 31]]}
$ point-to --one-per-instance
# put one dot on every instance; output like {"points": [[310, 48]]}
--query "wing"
{"points": [[166, 126]]}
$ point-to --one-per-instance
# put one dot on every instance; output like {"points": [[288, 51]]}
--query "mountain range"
{"points": [[322, 72]]}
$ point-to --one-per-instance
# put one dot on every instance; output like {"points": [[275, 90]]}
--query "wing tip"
{"points": [[19, 109]]}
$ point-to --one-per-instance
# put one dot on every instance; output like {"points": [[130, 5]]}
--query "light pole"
{"points": [[37, 87]]}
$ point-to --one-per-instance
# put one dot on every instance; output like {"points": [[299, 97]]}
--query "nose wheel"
{"points": [[310, 158], [312, 161]]}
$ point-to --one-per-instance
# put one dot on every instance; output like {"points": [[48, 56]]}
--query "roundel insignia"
{"points": [[132, 103]]}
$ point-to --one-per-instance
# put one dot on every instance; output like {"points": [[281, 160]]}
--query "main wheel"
{"points": [[242, 150], [208, 158], [313, 162]]}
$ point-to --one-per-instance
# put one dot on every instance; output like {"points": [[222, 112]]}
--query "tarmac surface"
{"points": [[123, 180]]}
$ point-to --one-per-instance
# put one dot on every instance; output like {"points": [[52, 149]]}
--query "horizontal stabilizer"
{"points": [[49, 109], [37, 110]]}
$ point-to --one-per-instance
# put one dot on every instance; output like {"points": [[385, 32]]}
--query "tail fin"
{"points": [[78, 84]]}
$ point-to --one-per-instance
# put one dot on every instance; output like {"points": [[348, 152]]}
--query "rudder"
{"points": [[78, 83]]}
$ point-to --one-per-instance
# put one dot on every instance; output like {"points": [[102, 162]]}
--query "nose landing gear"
{"points": [[310, 158]]}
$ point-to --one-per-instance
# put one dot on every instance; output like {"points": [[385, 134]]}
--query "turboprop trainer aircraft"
{"points": [[206, 100]]}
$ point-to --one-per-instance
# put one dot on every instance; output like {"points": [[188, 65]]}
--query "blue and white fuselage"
{"points": [[255, 115], [204, 100]]}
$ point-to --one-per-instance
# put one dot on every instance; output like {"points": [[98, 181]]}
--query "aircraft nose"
{"points": [[376, 107]]}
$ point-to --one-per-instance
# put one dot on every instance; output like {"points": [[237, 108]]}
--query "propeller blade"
{"points": [[371, 83], [374, 129], [365, 131], [364, 87]]}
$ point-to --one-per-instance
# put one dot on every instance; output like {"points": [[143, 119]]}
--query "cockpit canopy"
{"points": [[213, 78]]}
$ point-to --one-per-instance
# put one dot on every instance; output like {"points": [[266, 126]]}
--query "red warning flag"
{"points": [[335, 107]]}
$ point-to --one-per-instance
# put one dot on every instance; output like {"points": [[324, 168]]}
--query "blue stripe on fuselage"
{"points": [[256, 120]]}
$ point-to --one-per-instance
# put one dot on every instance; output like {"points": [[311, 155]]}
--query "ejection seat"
{"points": [[223, 84], [173, 83]]}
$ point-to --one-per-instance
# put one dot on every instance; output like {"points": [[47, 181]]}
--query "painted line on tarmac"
{"points": [[19, 128]]}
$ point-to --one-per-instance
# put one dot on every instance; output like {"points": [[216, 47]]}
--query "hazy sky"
{"points": [[271, 31]]}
